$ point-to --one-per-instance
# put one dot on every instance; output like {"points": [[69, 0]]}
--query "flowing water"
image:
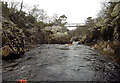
{"points": [[55, 62]]}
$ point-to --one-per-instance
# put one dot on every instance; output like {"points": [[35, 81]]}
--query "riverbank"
{"points": [[109, 48], [104, 35], [16, 41]]}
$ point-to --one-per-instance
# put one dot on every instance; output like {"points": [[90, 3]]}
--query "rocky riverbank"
{"points": [[12, 40], [106, 34], [15, 40], [22, 30]]}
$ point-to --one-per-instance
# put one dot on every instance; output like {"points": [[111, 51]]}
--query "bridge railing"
{"points": [[74, 24]]}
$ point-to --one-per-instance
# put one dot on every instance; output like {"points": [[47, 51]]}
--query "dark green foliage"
{"points": [[61, 21], [18, 18], [31, 18], [5, 9]]}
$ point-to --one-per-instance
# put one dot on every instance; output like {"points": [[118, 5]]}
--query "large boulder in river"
{"points": [[59, 37], [12, 40], [55, 35]]}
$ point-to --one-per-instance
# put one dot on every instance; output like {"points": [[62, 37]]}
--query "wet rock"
{"points": [[63, 47]]}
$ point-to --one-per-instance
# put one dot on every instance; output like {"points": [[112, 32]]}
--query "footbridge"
{"points": [[76, 25]]}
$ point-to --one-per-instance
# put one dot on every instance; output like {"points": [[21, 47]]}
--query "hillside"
{"points": [[21, 30], [106, 34]]}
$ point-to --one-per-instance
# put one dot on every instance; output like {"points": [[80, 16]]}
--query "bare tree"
{"points": [[14, 5], [35, 11], [21, 6], [54, 18], [43, 16], [104, 7]]}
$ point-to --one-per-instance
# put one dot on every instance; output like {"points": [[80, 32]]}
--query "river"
{"points": [[55, 62]]}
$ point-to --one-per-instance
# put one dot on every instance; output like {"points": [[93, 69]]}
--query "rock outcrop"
{"points": [[55, 35], [116, 10], [106, 35], [21, 30], [12, 40]]}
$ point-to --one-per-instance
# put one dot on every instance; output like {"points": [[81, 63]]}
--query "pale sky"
{"points": [[77, 11]]}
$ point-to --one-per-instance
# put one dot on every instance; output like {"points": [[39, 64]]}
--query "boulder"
{"points": [[6, 51], [116, 10], [83, 40], [96, 46], [55, 35], [107, 20], [116, 47], [108, 50]]}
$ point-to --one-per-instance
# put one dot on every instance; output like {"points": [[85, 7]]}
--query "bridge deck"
{"points": [[77, 26]]}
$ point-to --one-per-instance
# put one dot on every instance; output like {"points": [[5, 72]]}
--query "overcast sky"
{"points": [[77, 11]]}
